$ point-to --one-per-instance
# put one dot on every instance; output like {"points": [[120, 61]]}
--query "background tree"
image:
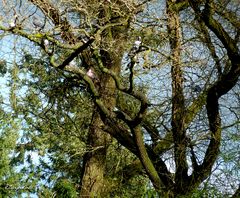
{"points": [[12, 183], [140, 72]]}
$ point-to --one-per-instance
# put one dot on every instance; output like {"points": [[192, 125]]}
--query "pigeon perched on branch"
{"points": [[37, 23], [90, 73], [135, 47], [14, 21], [46, 42], [133, 53], [137, 43]]}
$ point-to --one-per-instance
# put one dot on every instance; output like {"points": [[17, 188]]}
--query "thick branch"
{"points": [[75, 53], [178, 106], [144, 158]]}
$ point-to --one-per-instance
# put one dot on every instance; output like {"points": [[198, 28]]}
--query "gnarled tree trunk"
{"points": [[95, 160]]}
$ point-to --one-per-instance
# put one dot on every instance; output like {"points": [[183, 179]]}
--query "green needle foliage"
{"points": [[10, 178]]}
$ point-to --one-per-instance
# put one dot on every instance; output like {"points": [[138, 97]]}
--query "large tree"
{"points": [[158, 77]]}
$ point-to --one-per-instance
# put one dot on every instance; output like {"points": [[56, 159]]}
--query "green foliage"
{"points": [[122, 180], [150, 193], [210, 192], [128, 104], [55, 109], [10, 179], [65, 189]]}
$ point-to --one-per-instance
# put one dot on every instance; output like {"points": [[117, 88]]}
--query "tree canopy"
{"points": [[121, 98]]}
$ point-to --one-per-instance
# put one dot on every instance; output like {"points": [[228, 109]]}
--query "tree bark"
{"points": [[98, 141], [178, 106], [94, 160]]}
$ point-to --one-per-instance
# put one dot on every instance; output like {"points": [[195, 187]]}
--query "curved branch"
{"points": [[224, 84], [144, 158]]}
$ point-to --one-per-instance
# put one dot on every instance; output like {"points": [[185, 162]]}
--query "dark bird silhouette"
{"points": [[197, 89]]}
